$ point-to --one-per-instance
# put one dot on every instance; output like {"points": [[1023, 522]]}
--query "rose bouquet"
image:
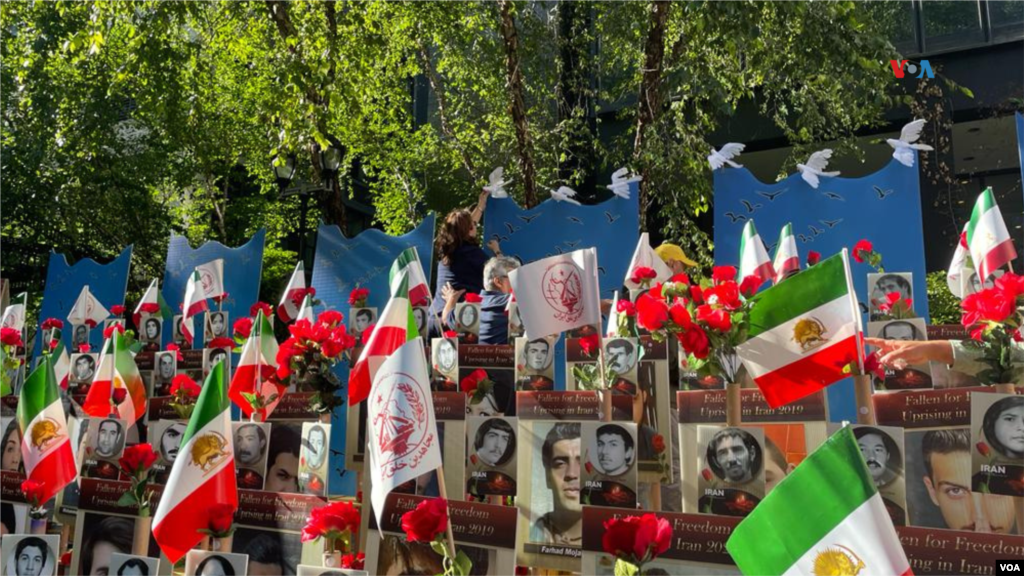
{"points": [[994, 317], [310, 353]]}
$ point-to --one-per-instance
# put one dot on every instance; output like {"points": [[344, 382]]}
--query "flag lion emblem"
{"points": [[562, 287], [837, 561], [809, 333], [46, 432], [208, 451]]}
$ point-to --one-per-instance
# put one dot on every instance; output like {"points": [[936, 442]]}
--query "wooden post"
{"points": [[862, 392], [140, 540], [656, 496], [733, 404], [444, 494]]}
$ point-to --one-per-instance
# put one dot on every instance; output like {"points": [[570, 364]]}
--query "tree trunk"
{"points": [[574, 93], [650, 98], [517, 102]]}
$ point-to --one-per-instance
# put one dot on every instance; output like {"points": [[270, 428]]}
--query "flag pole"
{"points": [[862, 387], [606, 393], [444, 495]]}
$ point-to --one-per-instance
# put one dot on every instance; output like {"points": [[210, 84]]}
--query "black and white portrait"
{"points": [[79, 336], [621, 356], [169, 434], [445, 363], [313, 463], [130, 565], [732, 478], [83, 368], [109, 437], [269, 551], [214, 356], [609, 472], [360, 319], [179, 334], [467, 317], [104, 445], [216, 325], [997, 435], [251, 443], [881, 453], [165, 368], [971, 283], [420, 315], [535, 364], [151, 329], [204, 563], [734, 456], [914, 376], [494, 441], [556, 512], [881, 285], [30, 555]]}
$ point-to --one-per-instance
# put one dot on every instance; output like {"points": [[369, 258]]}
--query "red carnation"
{"points": [[625, 307], [861, 249], [221, 517], [749, 285], [451, 334], [109, 330], [84, 348], [267, 309], [718, 320], [695, 341], [51, 323], [651, 312], [589, 344], [642, 274], [172, 347], [353, 561], [470, 383], [185, 386], [222, 342], [472, 298], [150, 308], [117, 310], [721, 274], [427, 521], [706, 473], [813, 257], [243, 327], [679, 314], [137, 459], [331, 318], [34, 492], [680, 279], [11, 337], [358, 297], [696, 294]]}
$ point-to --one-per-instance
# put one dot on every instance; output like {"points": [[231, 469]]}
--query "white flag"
{"points": [[87, 309], [294, 295], [644, 256], [211, 277], [401, 430], [613, 317], [14, 315], [558, 294], [956, 267]]}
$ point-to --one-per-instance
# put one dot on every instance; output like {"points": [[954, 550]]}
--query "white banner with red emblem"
{"points": [[402, 440], [558, 294]]}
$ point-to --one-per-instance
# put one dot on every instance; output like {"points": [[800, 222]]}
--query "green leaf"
{"points": [[127, 499], [623, 568], [463, 565]]}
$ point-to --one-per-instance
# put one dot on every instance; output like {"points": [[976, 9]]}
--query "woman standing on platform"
{"points": [[460, 260]]}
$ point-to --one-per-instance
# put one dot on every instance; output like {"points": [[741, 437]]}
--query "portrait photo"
{"points": [[420, 314], [214, 356], [131, 565], [880, 285], [151, 329], [467, 318], [621, 356], [165, 368], [397, 556], [970, 283], [997, 435], [313, 467], [104, 445], [83, 368], [252, 440], [731, 479], [882, 449], [515, 322], [178, 334], [444, 362], [97, 538], [13, 518], [283, 458], [491, 460], [360, 319], [939, 491], [535, 370], [554, 505], [609, 472], [10, 460], [269, 551], [914, 376], [216, 325], [205, 563], [30, 555], [79, 336], [167, 435]]}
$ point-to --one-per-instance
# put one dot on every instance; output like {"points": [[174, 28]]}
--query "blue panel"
{"points": [[341, 263], [884, 208], [242, 268], [64, 283]]}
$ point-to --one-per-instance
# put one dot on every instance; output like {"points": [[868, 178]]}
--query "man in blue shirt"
{"points": [[495, 296]]}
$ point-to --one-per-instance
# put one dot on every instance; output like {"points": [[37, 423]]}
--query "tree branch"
{"points": [[442, 104], [517, 101]]}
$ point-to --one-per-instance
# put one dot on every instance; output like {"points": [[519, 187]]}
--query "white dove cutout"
{"points": [[719, 158], [621, 179], [815, 167], [904, 147], [496, 183], [565, 194]]}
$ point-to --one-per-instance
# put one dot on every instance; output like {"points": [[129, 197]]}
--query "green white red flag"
{"points": [[61, 360], [957, 265], [87, 309], [117, 386], [294, 294], [395, 326], [203, 474], [255, 373], [787, 259], [409, 260], [803, 332], [754, 256], [195, 302], [45, 442], [152, 304], [306, 311], [826, 517], [987, 237]]}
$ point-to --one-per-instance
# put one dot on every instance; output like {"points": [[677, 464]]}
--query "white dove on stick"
{"points": [[815, 167], [621, 179], [719, 158], [496, 183], [902, 148], [565, 194]]}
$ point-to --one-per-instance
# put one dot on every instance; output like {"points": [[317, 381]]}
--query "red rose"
{"points": [[353, 561], [695, 341], [258, 307], [221, 516], [117, 309], [696, 294], [428, 520], [725, 295], [589, 344], [472, 298], [330, 521], [873, 366], [451, 334], [84, 348], [861, 249], [108, 332], [625, 307], [331, 318], [119, 395], [1011, 285], [706, 473], [749, 285], [679, 314], [991, 304], [11, 337], [185, 385], [65, 558], [813, 258], [983, 449], [715, 319], [150, 308], [51, 323], [470, 383], [655, 291], [137, 459], [473, 458], [680, 279], [642, 274], [637, 538], [651, 312], [358, 296], [721, 274], [658, 443], [589, 467], [243, 327], [34, 492]]}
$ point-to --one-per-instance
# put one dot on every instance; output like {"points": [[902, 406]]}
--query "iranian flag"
{"points": [[395, 326], [202, 475], [14, 315], [294, 294], [753, 255], [787, 259], [613, 317], [117, 385], [409, 260], [989, 242], [802, 332], [152, 304], [826, 517], [254, 374], [45, 442], [61, 360], [87, 309], [306, 311], [195, 302]]}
